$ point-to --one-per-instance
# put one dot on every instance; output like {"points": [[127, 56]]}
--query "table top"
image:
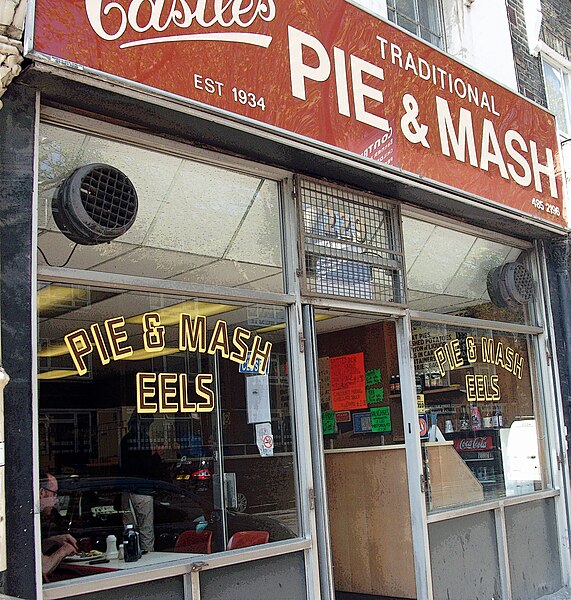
{"points": [[148, 559]]}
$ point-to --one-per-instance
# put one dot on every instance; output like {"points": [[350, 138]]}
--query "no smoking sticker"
{"points": [[265, 439]]}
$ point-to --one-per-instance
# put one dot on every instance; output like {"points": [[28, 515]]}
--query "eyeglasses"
{"points": [[53, 492]]}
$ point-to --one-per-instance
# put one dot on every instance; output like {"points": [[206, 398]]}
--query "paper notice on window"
{"points": [[258, 399], [347, 374], [265, 439]]}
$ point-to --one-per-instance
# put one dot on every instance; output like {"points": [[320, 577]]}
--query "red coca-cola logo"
{"points": [[473, 444]]}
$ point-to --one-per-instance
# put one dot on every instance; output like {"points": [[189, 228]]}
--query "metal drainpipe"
{"points": [[561, 260]]}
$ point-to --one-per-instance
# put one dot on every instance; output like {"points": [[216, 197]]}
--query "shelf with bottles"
{"points": [[421, 387]]}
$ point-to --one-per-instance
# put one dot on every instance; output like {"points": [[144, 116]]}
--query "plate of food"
{"points": [[83, 556]]}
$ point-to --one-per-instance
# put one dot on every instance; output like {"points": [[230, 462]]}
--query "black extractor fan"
{"points": [[97, 203], [510, 285]]}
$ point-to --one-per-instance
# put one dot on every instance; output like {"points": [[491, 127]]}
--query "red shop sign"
{"points": [[326, 71], [476, 444]]}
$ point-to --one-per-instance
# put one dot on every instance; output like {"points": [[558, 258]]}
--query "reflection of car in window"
{"points": [[99, 506], [262, 483]]}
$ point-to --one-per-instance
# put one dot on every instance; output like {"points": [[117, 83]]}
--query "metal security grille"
{"points": [[351, 244]]}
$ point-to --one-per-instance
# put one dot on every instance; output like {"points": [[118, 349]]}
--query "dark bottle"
{"points": [[392, 384], [397, 384], [131, 544], [495, 420], [464, 419]]}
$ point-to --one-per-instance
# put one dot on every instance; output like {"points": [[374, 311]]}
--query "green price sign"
{"points": [[375, 395], [373, 377], [328, 422], [381, 419]]}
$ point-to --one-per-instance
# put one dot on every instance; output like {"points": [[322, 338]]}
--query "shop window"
{"points": [[558, 89], [195, 222], [455, 272], [421, 17], [169, 413], [351, 244], [477, 395]]}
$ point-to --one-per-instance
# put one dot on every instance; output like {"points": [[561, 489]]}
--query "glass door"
{"points": [[365, 457]]}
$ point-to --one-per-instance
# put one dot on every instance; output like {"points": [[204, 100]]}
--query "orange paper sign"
{"points": [[348, 382]]}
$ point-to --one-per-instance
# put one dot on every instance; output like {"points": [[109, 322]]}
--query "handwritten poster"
{"points": [[375, 395], [347, 377], [328, 422], [373, 377], [381, 419]]}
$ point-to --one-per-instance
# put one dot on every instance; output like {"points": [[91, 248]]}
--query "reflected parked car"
{"points": [[93, 507]]}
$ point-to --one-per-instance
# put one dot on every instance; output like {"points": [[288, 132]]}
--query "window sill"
{"points": [[455, 512], [174, 568]]}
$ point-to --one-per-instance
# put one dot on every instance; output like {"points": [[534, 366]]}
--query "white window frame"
{"points": [[419, 24], [559, 63]]}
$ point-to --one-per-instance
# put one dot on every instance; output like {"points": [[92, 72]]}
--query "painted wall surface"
{"points": [[382, 95], [533, 549], [17, 131], [163, 589], [464, 558], [278, 578], [478, 33]]}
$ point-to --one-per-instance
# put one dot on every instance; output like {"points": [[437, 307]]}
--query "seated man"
{"points": [[54, 547]]}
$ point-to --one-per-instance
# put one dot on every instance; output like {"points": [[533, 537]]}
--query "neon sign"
{"points": [[479, 388], [168, 392]]}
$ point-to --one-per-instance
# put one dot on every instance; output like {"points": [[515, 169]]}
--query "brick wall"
{"points": [[528, 68], [556, 26]]}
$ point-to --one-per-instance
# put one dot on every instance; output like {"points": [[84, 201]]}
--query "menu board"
{"points": [[347, 378]]}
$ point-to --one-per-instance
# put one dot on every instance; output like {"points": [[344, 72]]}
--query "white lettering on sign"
{"points": [[158, 15], [439, 77], [467, 139], [461, 137], [300, 71]]}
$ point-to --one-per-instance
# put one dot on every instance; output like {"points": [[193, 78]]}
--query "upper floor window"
{"points": [[558, 89], [421, 17]]}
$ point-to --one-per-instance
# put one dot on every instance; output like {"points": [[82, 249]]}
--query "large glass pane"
{"points": [[453, 272], [476, 393], [196, 222], [556, 95], [421, 18], [167, 413], [429, 17]]}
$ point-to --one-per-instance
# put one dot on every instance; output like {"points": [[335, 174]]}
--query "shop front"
{"points": [[285, 316]]}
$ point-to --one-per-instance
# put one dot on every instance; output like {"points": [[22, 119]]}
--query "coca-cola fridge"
{"points": [[482, 453]]}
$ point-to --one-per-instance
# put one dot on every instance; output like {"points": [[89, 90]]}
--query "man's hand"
{"points": [[62, 539], [50, 563]]}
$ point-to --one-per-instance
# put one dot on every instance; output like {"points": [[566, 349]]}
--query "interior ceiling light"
{"points": [[269, 328], [52, 296], [57, 374], [510, 285], [54, 350], [143, 354], [97, 203], [171, 314]]}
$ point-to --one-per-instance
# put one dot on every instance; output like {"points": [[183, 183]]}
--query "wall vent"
{"points": [[510, 285], [97, 203]]}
